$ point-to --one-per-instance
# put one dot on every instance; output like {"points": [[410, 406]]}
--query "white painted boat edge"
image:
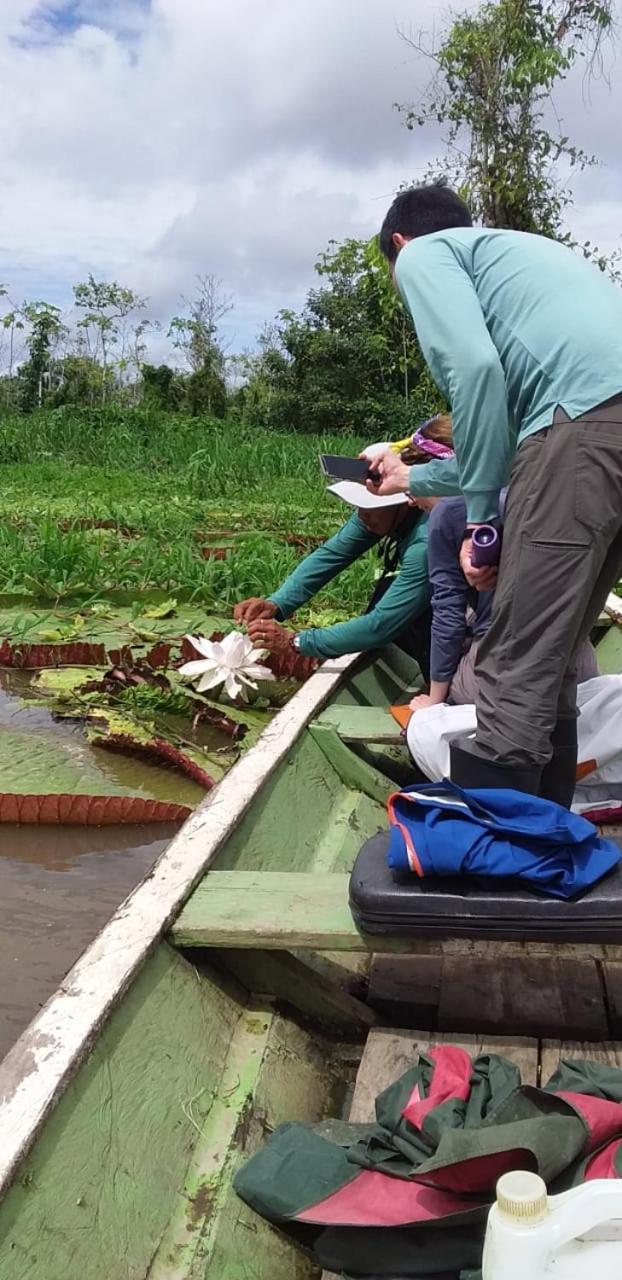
{"points": [[41, 1064]]}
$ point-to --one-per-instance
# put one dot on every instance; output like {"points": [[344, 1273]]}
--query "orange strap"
{"points": [[401, 714]]}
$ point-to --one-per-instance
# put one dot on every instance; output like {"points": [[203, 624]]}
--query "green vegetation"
{"points": [[348, 363], [121, 531], [94, 502]]}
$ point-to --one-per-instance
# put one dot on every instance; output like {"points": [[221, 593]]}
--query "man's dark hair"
{"points": [[419, 211]]}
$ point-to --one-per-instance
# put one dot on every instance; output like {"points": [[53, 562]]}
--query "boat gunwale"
{"points": [[48, 1054]]}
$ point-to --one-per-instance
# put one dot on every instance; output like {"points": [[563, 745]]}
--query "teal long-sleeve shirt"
{"points": [[511, 326], [406, 597], [436, 479]]}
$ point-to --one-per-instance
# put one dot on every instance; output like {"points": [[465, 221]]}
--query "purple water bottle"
{"points": [[485, 546]]}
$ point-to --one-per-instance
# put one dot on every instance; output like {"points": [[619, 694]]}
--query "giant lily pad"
{"points": [[52, 780]]}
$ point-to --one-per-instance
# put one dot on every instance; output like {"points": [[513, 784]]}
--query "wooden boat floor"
{"points": [[390, 1051]]}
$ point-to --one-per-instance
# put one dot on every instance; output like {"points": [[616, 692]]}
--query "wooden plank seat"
{"points": [[290, 911], [360, 724]]}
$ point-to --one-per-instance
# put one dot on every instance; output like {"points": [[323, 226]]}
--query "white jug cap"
{"points": [[522, 1196]]}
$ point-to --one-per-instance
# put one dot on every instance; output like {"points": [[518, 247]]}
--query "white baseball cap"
{"points": [[358, 496]]}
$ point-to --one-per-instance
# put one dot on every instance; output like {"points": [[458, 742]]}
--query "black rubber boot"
{"points": [[472, 771], [559, 775]]}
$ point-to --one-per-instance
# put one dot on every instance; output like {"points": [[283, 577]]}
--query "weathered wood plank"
{"points": [[612, 980], [553, 1051], [353, 771], [382, 679], [291, 911], [95, 1195], [609, 652], [39, 1067], [406, 988], [360, 724], [311, 990], [537, 997], [275, 1072], [283, 910]]}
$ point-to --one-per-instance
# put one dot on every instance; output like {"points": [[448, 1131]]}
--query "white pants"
{"points": [[599, 728]]}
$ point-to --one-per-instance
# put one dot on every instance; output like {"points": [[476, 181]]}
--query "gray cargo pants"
{"points": [[463, 687], [562, 553]]}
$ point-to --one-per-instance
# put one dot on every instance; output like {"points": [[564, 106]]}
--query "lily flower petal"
{"points": [[201, 644], [255, 654], [232, 685], [242, 675], [232, 662], [211, 679], [258, 672], [234, 648], [197, 668]]}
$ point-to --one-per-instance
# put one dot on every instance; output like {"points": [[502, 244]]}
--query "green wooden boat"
{"points": [[222, 998]]}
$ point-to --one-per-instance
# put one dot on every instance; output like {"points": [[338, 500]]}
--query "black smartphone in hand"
{"points": [[338, 467]]}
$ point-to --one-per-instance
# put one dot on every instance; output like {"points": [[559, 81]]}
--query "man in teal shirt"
{"points": [[399, 608], [524, 338]]}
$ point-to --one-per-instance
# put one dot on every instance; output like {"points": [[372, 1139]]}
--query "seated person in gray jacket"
{"points": [[460, 614]]}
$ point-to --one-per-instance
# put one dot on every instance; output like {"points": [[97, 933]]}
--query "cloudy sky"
{"points": [[149, 140]]}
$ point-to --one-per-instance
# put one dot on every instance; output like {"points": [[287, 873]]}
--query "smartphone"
{"points": [[337, 467]]}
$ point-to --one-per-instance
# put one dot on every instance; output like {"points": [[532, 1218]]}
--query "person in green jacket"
{"points": [[399, 608], [524, 339]]}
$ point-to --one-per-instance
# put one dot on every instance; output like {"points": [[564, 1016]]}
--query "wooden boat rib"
{"points": [[162, 1062]]}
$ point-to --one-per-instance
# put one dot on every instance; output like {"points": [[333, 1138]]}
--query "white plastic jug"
{"points": [[573, 1236]]}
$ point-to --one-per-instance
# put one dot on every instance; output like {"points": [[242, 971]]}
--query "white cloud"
{"points": [[152, 141]]}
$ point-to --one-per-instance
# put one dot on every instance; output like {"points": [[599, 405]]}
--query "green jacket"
{"points": [[409, 1194], [406, 598]]}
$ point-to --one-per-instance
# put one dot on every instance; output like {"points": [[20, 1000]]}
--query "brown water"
{"points": [[60, 885]]}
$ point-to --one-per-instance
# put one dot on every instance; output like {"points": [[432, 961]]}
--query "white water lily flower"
{"points": [[231, 661]]}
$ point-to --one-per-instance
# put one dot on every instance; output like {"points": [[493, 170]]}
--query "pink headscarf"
{"points": [[432, 447]]}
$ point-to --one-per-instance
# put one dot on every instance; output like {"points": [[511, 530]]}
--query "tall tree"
{"points": [[163, 387], [348, 361], [106, 306], [132, 356], [46, 328], [11, 323], [496, 69], [197, 335]]}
